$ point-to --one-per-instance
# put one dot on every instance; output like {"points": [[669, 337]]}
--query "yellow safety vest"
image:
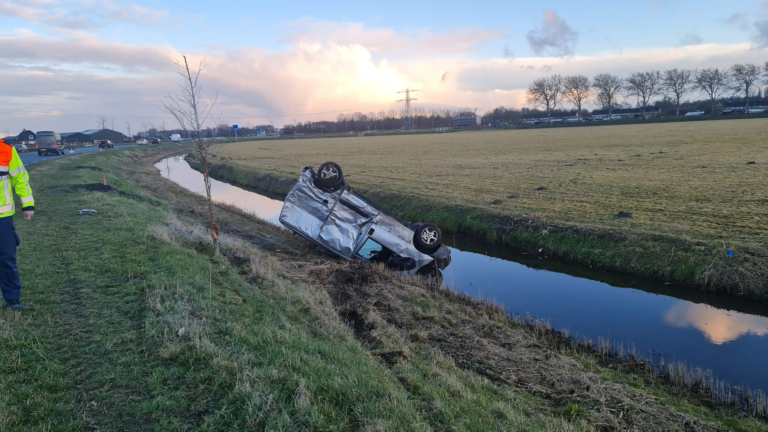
{"points": [[14, 177]]}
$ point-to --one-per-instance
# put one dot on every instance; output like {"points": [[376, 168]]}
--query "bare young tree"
{"points": [[112, 123], [644, 86], [103, 122], [546, 92], [608, 87], [191, 111], [577, 89], [745, 77], [128, 128], [714, 82], [678, 82]]}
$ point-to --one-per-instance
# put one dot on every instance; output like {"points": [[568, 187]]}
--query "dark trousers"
{"points": [[10, 283]]}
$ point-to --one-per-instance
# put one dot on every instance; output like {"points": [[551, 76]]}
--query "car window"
{"points": [[45, 139], [370, 249]]}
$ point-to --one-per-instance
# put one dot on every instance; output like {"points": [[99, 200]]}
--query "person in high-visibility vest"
{"points": [[14, 178]]}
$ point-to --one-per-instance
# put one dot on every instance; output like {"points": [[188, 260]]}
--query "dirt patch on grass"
{"points": [[384, 310], [92, 168], [89, 187]]}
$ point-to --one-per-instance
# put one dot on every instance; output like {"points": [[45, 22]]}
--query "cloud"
{"points": [[738, 20], [407, 44], [47, 13], [76, 14], [500, 75], [761, 38], [554, 36], [80, 76], [690, 39], [508, 53]]}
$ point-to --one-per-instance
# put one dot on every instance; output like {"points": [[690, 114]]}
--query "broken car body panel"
{"points": [[342, 222]]}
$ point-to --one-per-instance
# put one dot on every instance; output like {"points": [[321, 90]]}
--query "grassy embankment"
{"points": [[690, 189], [275, 336]]}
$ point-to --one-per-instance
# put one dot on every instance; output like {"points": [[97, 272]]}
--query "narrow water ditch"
{"points": [[714, 331]]}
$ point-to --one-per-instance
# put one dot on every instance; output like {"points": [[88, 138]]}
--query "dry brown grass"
{"points": [[688, 180]]}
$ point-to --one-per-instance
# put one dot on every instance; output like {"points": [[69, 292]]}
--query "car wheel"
{"points": [[329, 177], [402, 263], [427, 238]]}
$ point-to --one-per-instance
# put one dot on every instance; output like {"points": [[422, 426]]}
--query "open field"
{"points": [[690, 188], [276, 336]]}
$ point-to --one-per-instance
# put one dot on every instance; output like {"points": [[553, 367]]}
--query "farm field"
{"points": [[698, 182], [685, 179]]}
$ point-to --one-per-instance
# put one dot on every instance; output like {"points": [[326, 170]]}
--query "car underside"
{"points": [[343, 222]]}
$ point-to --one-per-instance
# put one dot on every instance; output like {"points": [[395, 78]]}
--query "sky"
{"points": [[64, 63]]}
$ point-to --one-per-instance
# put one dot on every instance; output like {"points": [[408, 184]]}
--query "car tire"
{"points": [[402, 263], [329, 177], [39, 153], [427, 238]]}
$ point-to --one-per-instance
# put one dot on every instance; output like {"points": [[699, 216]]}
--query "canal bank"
{"points": [[661, 322]]}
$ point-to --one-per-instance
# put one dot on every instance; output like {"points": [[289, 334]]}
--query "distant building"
{"points": [[537, 119], [75, 137], [26, 137], [105, 134], [755, 107], [467, 119], [625, 113]]}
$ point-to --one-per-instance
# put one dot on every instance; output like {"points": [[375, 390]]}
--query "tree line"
{"points": [[378, 121], [743, 80]]}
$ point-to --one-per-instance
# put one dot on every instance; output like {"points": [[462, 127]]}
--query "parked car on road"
{"points": [[142, 141], [155, 140], [327, 212], [106, 144], [49, 142], [21, 148]]}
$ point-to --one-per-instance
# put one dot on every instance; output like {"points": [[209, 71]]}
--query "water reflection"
{"points": [[719, 332], [718, 325], [179, 171]]}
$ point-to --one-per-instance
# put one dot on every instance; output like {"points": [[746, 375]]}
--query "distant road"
{"points": [[31, 157]]}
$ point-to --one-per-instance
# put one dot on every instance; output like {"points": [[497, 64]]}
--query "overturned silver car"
{"points": [[327, 212]]}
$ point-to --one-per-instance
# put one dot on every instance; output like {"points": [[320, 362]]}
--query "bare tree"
{"points": [[112, 123], [102, 121], [191, 112], [714, 82], [608, 87], [546, 92], [678, 82], [745, 77], [644, 86], [145, 126], [577, 89], [128, 128]]}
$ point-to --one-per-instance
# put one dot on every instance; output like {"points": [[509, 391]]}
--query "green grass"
{"points": [[264, 346]]}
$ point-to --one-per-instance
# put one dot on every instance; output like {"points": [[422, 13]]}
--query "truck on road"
{"points": [[49, 142], [175, 137]]}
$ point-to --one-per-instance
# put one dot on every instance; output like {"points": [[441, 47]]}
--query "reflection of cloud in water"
{"points": [[718, 325]]}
